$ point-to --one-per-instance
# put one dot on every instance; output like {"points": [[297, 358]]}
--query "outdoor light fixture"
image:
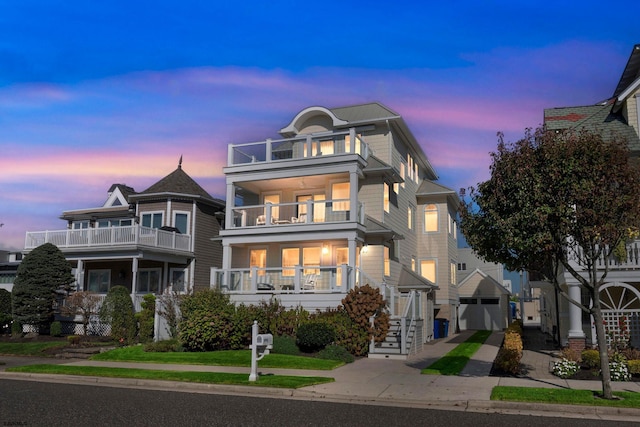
{"points": [[325, 249], [365, 248]]}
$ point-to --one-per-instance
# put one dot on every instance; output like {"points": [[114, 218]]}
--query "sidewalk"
{"points": [[389, 382]]}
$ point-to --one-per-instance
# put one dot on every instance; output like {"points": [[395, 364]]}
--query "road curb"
{"points": [[486, 406]]}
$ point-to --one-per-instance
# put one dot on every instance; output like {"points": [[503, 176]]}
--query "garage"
{"points": [[484, 303]]}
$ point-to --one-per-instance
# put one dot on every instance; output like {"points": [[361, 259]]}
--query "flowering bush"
{"points": [[619, 371], [565, 368]]}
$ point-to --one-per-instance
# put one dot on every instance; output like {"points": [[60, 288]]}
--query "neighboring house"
{"points": [[484, 303], [620, 296], [468, 262], [347, 197], [9, 262], [484, 300], [158, 240]]}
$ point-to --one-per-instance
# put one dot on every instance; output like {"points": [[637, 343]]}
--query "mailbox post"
{"points": [[260, 346]]}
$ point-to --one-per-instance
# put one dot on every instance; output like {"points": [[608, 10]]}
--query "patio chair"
{"points": [[309, 282]]}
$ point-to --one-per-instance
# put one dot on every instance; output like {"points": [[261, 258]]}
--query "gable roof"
{"points": [[631, 71], [598, 118], [429, 188], [484, 275]]}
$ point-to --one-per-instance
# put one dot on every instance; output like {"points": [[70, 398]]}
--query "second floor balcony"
{"points": [[110, 237], [299, 213]]}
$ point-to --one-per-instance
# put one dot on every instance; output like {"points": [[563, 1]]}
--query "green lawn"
{"points": [[280, 381], [28, 348], [240, 358], [454, 362], [564, 396]]}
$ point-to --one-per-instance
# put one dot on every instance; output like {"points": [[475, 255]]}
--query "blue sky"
{"points": [[95, 93]]}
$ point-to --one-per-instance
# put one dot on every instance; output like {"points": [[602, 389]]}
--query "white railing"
{"points": [[630, 260], [110, 236], [297, 279], [307, 146], [309, 212]]}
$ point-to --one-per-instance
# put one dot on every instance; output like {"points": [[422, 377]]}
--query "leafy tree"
{"points": [[84, 304], [118, 311], [554, 201], [41, 274]]}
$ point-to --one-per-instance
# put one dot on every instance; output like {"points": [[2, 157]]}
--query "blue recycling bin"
{"points": [[445, 328], [437, 328]]}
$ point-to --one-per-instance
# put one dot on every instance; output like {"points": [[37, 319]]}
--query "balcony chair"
{"points": [[309, 282]]}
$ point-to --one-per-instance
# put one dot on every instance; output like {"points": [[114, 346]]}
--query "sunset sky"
{"points": [[96, 93]]}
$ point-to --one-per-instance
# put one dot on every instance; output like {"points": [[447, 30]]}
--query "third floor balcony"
{"points": [[301, 147]]}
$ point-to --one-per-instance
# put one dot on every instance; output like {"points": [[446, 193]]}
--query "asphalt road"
{"points": [[31, 403]]}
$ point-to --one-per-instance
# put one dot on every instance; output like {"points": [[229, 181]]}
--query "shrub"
{"points": [[5, 309], [565, 368], [364, 302], [634, 367], [336, 352], [355, 339], [205, 330], [285, 345], [16, 329], [146, 318], [314, 336], [84, 304], [118, 311], [165, 346], [591, 358], [55, 330], [571, 354], [73, 339], [631, 353], [510, 354]]}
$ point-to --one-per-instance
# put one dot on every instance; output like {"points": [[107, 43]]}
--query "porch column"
{"points": [[228, 218], [134, 278], [353, 197], [352, 247], [80, 276], [576, 336]]}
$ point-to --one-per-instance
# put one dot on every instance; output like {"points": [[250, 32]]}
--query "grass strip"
{"points": [[279, 381], [563, 396], [241, 358], [454, 362], [28, 348]]}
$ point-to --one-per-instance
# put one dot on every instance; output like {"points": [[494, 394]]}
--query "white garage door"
{"points": [[481, 314]]}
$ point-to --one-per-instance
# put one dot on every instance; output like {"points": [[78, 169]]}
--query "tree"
{"points": [[41, 275], [84, 304], [554, 201], [117, 310]]}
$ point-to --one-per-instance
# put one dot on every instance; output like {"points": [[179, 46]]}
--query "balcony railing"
{"points": [[307, 146], [298, 279], [309, 212], [630, 260], [136, 235]]}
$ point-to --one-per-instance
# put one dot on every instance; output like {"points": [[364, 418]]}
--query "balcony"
{"points": [[302, 213], [307, 146], [108, 237], [290, 280]]}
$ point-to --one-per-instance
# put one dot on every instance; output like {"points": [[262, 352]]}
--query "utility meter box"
{"points": [[265, 340]]}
